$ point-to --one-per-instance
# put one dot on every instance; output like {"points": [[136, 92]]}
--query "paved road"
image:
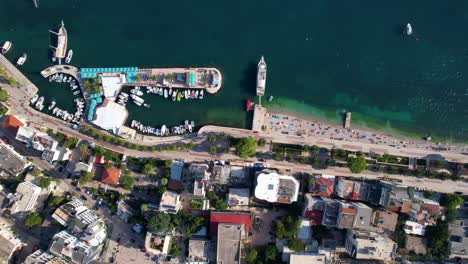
{"points": [[19, 105]]}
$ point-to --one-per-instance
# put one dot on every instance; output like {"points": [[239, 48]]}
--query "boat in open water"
{"points": [[409, 29], [21, 60], [6, 47]]}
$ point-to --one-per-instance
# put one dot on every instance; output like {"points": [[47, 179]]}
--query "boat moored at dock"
{"points": [[62, 40], [261, 77], [69, 56]]}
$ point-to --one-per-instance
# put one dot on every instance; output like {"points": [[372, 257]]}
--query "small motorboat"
{"points": [[201, 95], [270, 98], [6, 47], [69, 56], [55, 110], [165, 93], [248, 104], [409, 29], [34, 99], [21, 60], [51, 106], [174, 95], [147, 105], [76, 92], [179, 96]]}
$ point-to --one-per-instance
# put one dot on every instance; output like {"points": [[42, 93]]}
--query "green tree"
{"points": [[296, 245], [220, 204], [148, 168], [190, 145], [286, 227], [212, 138], [251, 256], [357, 165], [159, 222], [55, 201], [271, 254], [211, 195], [437, 240], [33, 219], [314, 149], [84, 150], [144, 207], [261, 142], [3, 95], [44, 182], [164, 181], [85, 177], [192, 223], [212, 150], [246, 147], [450, 202], [315, 162], [127, 182], [168, 163]]}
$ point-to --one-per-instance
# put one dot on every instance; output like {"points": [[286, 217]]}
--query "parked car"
{"points": [[82, 197]]}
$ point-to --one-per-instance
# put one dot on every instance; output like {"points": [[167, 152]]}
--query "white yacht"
{"points": [[34, 99], [201, 95], [6, 47], [409, 29], [261, 77], [51, 106], [69, 56], [22, 59]]}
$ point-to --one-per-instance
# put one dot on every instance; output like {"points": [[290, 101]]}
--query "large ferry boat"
{"points": [[61, 49], [261, 77], [6, 47]]}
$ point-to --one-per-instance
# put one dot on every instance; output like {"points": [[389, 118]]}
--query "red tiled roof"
{"points": [[315, 217], [405, 207], [432, 209], [323, 187], [229, 218], [111, 176], [11, 123]]}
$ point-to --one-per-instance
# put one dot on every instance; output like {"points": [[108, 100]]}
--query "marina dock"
{"points": [[185, 78], [347, 123]]}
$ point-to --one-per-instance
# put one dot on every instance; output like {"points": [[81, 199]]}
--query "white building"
{"points": [[12, 162], [26, 134], [67, 212], [111, 84], [110, 116], [9, 245], [157, 244], [369, 245], [414, 228], [275, 188], [42, 142], [59, 154], [26, 196], [170, 202]]}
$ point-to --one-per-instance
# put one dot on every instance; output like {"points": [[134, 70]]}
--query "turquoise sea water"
{"points": [[323, 56]]}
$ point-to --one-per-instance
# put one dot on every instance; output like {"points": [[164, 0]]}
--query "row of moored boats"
{"points": [[38, 102], [136, 94], [164, 131], [60, 77]]}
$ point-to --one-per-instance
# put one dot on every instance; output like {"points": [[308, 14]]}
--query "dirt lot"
{"points": [[262, 226]]}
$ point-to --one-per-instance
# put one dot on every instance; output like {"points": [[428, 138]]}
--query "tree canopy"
{"points": [[85, 177], [357, 165], [160, 222], [246, 147], [32, 220], [437, 240], [296, 245], [3, 95], [251, 256], [286, 227], [44, 182], [127, 182]]}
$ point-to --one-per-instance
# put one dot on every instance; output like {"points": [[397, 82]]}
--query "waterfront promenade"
{"points": [[18, 103]]}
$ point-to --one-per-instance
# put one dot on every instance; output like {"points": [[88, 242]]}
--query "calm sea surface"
{"points": [[324, 57]]}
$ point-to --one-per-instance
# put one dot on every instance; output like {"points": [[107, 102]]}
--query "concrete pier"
{"points": [[209, 79]]}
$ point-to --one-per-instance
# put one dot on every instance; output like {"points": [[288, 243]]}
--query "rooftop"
{"points": [[276, 188], [111, 85], [385, 219], [199, 250], [370, 245], [229, 243], [157, 243], [8, 245], [323, 185], [111, 176], [170, 202], [302, 258], [176, 170], [12, 124], [110, 116], [238, 197], [12, 162], [239, 218], [313, 209]]}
